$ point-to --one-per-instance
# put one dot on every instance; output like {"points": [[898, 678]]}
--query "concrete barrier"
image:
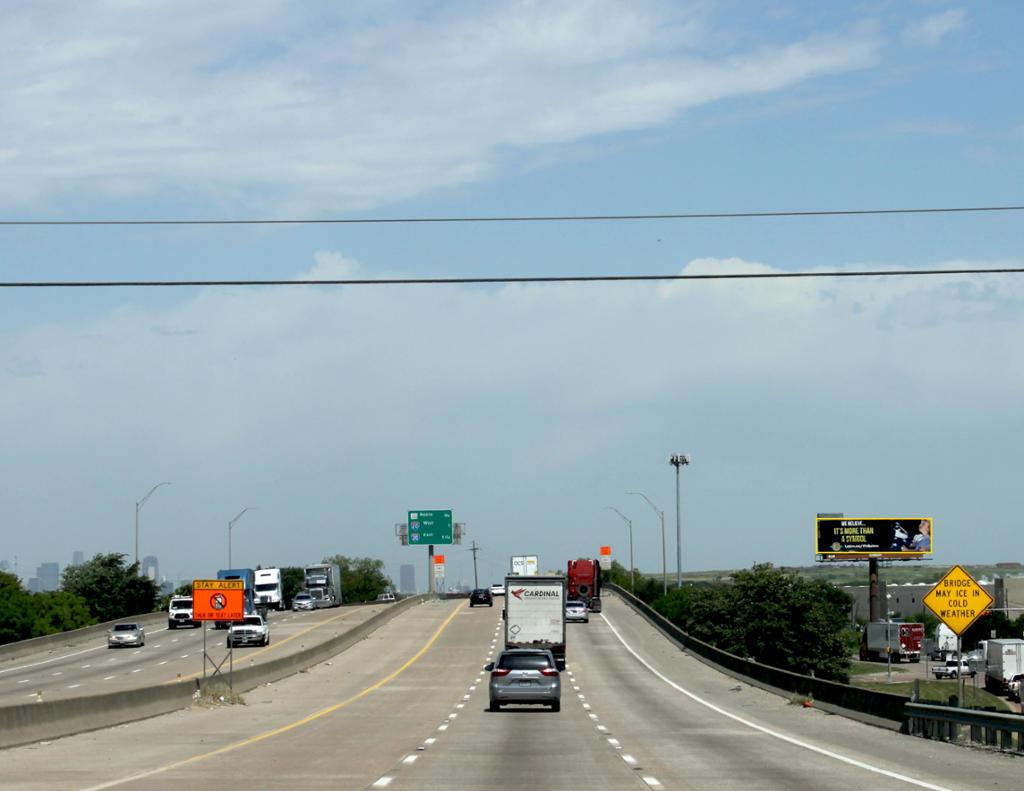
{"points": [[33, 722]]}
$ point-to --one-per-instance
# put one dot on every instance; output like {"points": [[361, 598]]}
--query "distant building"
{"points": [[34, 585], [77, 557], [150, 568], [407, 578], [5, 565], [49, 576]]}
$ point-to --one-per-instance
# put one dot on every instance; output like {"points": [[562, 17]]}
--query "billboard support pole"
{"points": [[873, 602]]}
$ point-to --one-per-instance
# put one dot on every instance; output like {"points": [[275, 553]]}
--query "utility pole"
{"points": [[474, 549], [679, 460]]}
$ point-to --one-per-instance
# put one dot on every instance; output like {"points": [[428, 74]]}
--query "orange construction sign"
{"points": [[218, 600], [438, 560], [605, 550]]}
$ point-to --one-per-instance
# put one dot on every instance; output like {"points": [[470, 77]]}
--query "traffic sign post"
{"points": [[958, 601], [218, 600]]}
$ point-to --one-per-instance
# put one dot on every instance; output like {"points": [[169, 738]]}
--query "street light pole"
{"points": [[679, 460], [629, 523], [661, 516], [138, 507], [231, 524]]}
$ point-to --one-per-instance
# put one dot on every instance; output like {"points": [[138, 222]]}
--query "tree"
{"points": [[293, 579], [771, 616], [111, 588], [362, 579], [15, 609], [24, 615], [164, 602]]}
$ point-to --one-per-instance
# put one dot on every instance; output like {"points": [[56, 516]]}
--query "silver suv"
{"points": [[525, 675]]}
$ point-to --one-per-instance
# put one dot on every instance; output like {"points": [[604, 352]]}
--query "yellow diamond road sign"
{"points": [[958, 600]]}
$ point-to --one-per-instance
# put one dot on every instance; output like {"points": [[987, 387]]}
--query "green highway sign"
{"points": [[430, 527]]}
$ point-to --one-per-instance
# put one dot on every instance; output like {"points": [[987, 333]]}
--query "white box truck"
{"points": [[269, 592], [1004, 663], [535, 614]]}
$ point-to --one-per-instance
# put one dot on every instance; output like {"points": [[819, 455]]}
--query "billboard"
{"points": [[851, 538], [523, 566]]}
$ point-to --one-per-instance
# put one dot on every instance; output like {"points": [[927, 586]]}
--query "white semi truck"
{"points": [[535, 614], [269, 592]]}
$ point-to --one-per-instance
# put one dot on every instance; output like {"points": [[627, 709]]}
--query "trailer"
{"points": [[534, 614]]}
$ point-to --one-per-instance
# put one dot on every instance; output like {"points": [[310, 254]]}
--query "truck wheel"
{"points": [[494, 706], [556, 706]]}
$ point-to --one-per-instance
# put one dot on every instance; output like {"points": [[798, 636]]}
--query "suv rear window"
{"points": [[524, 662]]}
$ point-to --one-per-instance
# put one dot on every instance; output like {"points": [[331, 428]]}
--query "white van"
{"points": [[179, 613], [269, 592]]}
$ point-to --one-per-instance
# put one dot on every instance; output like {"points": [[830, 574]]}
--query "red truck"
{"points": [[895, 641], [583, 582]]}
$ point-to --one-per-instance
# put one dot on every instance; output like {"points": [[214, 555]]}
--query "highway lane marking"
{"points": [[384, 782], [24, 681], [767, 731], [107, 678], [629, 759], [292, 725], [410, 759], [652, 782], [57, 658], [74, 686]]}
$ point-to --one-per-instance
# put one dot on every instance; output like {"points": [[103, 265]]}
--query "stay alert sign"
{"points": [[958, 600]]}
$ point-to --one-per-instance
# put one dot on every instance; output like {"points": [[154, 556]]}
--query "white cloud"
{"points": [[261, 109], [928, 32], [327, 404]]}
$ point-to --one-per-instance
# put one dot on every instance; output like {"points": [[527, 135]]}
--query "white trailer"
{"points": [[535, 614], [1004, 664]]}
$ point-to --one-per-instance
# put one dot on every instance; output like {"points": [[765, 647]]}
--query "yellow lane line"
{"points": [[290, 726], [273, 645]]}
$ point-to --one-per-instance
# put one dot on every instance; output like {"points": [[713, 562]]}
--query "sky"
{"points": [[528, 409]]}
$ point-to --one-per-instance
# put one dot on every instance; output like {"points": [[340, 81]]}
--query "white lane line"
{"points": [[162, 663], [652, 782], [137, 670], [586, 706], [593, 716], [603, 728], [465, 697], [74, 686], [429, 741], [614, 743], [767, 731], [58, 673], [452, 716], [85, 667], [24, 681], [107, 678], [472, 688], [384, 782], [48, 661], [581, 696], [442, 727], [460, 705], [183, 656], [410, 759], [629, 759]]}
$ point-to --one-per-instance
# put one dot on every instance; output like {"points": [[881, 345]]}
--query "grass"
{"points": [[940, 692], [858, 668]]}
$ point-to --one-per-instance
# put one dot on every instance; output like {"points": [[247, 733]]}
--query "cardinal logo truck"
{"points": [[538, 593]]}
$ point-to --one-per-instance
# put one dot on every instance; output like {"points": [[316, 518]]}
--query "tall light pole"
{"points": [[138, 507], [231, 524], [629, 523], [661, 516], [679, 460]]}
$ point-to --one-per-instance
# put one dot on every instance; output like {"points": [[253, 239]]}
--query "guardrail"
{"points": [[974, 726], [878, 708], [32, 722]]}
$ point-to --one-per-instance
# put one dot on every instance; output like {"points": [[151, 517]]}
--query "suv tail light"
{"points": [[498, 672], [549, 671]]}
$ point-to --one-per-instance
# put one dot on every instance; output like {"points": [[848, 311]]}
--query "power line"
{"points": [[443, 281], [524, 218]]}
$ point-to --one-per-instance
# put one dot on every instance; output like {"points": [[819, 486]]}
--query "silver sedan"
{"points": [[125, 634]]}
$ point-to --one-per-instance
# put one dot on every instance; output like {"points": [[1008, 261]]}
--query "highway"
{"points": [[87, 667], [406, 708]]}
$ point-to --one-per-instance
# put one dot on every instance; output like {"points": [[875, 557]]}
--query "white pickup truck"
{"points": [[953, 668], [251, 630]]}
